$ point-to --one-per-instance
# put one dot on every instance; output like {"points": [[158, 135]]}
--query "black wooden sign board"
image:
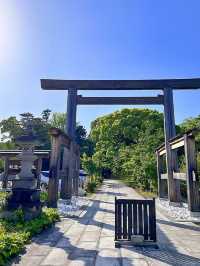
{"points": [[135, 221]]}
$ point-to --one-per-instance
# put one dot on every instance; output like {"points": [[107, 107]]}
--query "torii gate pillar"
{"points": [[171, 157], [71, 113], [70, 129]]}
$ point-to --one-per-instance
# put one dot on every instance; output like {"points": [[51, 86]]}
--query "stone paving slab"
{"points": [[88, 240]]}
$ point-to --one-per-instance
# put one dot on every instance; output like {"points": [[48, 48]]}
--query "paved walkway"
{"points": [[89, 239]]}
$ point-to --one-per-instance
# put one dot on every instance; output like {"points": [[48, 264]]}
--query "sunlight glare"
{"points": [[8, 31]]}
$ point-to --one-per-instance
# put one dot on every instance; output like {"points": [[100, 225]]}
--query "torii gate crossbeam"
{"points": [[166, 85]]}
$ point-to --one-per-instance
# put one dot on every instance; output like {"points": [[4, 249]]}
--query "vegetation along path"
{"points": [[89, 239]]}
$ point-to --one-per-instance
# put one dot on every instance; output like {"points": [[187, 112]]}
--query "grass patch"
{"points": [[146, 194], [15, 233]]}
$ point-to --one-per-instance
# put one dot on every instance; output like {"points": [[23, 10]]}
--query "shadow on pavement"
{"points": [[62, 249]]}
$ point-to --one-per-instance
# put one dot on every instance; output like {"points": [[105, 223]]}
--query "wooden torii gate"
{"points": [[166, 99]]}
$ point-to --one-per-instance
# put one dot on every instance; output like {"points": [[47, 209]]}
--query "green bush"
{"points": [[91, 187], [3, 196], [93, 183], [14, 234], [43, 196]]}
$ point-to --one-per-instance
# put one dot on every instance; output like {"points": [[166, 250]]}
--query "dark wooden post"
{"points": [[38, 171], [66, 184], [71, 113], [192, 174], [171, 158], [71, 132], [5, 173], [76, 165], [77, 169], [161, 184], [54, 169]]}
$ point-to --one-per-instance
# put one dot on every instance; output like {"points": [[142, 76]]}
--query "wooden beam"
{"points": [[162, 152], [161, 184], [193, 195], [119, 100], [38, 171], [5, 173], [152, 84], [179, 176], [71, 113], [171, 158], [54, 171], [177, 144], [13, 153], [66, 181], [76, 166], [164, 176]]}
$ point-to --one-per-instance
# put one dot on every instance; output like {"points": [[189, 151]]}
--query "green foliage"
{"points": [[124, 144], [3, 196], [58, 120], [5, 146], [89, 165], [91, 187], [43, 196], [189, 124], [93, 183], [16, 127], [14, 235]]}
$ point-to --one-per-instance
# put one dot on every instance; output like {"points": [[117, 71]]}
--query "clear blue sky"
{"points": [[87, 39]]}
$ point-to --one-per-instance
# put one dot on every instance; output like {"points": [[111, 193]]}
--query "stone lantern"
{"points": [[25, 194]]}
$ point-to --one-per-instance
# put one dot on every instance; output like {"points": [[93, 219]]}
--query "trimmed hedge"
{"points": [[14, 234]]}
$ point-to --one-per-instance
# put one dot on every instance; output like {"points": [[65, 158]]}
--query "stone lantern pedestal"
{"points": [[25, 194]]}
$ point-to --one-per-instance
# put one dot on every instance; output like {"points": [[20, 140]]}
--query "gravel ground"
{"points": [[176, 212]]}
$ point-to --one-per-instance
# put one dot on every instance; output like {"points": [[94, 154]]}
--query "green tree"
{"points": [[125, 143], [58, 120], [12, 127], [186, 125], [15, 127], [40, 125]]}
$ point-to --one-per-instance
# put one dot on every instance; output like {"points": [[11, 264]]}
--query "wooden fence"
{"points": [[64, 165], [190, 176], [135, 217]]}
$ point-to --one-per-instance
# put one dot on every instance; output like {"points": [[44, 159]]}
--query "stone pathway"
{"points": [[89, 239]]}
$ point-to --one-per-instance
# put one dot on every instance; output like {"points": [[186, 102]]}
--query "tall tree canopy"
{"points": [[125, 143], [59, 120], [13, 127]]}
